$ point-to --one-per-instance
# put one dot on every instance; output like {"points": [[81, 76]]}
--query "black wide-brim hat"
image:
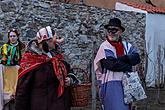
{"points": [[114, 22]]}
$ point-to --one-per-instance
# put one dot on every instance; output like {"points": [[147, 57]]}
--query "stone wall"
{"points": [[79, 25]]}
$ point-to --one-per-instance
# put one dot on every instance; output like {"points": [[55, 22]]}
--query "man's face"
{"points": [[114, 33], [13, 38], [50, 43]]}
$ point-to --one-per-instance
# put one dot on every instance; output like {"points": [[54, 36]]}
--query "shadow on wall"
{"points": [[1, 39]]}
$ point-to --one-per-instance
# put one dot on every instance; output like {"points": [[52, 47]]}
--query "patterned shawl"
{"points": [[31, 61]]}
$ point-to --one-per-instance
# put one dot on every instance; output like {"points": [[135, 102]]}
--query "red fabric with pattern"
{"points": [[31, 61], [118, 46]]}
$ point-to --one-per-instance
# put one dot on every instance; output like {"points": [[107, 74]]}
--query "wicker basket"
{"points": [[81, 92]]}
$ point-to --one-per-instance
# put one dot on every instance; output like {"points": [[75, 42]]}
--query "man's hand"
{"points": [[67, 81], [61, 40], [57, 40]]}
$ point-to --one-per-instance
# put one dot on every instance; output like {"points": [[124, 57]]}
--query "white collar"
{"points": [[14, 44], [49, 55]]}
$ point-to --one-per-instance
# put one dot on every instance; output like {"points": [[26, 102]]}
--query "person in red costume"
{"points": [[44, 76]]}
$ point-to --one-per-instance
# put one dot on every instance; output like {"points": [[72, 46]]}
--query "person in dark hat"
{"points": [[114, 29], [114, 57]]}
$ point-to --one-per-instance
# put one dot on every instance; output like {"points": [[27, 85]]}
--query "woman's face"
{"points": [[13, 38], [114, 33]]}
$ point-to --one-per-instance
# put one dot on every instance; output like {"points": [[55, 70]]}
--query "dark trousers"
{"points": [[9, 106]]}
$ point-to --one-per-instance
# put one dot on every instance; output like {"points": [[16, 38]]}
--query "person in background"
{"points": [[114, 57], [10, 55]]}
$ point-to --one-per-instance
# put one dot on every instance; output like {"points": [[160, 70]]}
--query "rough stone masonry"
{"points": [[79, 25]]}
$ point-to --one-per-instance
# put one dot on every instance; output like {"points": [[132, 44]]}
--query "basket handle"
{"points": [[85, 73]]}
